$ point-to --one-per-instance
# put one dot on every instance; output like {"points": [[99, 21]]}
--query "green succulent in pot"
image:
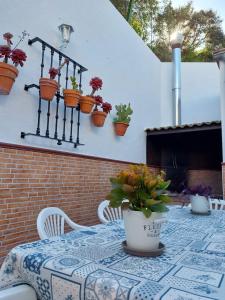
{"points": [[122, 119], [72, 96], [74, 83], [123, 113]]}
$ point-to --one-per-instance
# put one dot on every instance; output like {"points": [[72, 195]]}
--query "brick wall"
{"points": [[32, 179], [212, 178]]}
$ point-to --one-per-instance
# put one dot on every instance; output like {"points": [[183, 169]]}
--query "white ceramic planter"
{"points": [[199, 204], [142, 234]]}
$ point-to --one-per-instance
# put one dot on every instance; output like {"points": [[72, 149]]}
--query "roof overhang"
{"points": [[184, 128]]}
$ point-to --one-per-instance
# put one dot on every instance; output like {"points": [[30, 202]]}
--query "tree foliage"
{"points": [[155, 21]]}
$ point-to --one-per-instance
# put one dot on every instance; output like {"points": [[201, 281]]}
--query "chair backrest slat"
{"points": [[106, 213], [62, 225], [46, 228], [54, 224], [49, 221], [110, 213], [113, 212], [117, 214], [210, 204], [49, 224], [59, 232], [216, 204]]}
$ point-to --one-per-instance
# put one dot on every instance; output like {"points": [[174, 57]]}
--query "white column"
{"points": [[219, 56]]}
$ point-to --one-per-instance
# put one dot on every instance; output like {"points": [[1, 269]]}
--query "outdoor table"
{"points": [[91, 264]]}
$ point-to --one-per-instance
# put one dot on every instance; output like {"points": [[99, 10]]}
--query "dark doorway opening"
{"points": [[179, 150]]}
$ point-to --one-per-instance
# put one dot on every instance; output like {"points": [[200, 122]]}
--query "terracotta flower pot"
{"points": [[8, 74], [86, 104], [48, 88], [120, 128], [71, 97], [98, 118]]}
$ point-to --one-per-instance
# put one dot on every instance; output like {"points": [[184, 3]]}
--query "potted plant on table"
{"points": [[122, 119], [72, 96], [199, 198], [98, 117], [8, 72], [145, 195], [88, 102]]}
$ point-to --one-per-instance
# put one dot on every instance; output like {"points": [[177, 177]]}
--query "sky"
{"points": [[216, 5]]}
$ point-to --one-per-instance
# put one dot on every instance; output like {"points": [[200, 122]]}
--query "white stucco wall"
{"points": [[200, 100], [105, 44]]}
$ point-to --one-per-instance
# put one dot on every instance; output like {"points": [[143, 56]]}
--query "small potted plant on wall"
{"points": [[122, 119], [72, 96], [88, 102], [199, 198], [143, 197], [8, 72], [98, 117], [49, 86]]}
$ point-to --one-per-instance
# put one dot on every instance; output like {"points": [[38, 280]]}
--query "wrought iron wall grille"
{"points": [[72, 68]]}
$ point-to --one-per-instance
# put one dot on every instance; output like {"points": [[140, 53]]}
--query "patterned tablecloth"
{"points": [[91, 264]]}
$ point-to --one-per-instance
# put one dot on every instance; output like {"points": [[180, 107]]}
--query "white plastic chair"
{"points": [[107, 214], [216, 204], [20, 292], [51, 220]]}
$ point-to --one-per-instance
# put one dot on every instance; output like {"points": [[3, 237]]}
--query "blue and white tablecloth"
{"points": [[91, 264]]}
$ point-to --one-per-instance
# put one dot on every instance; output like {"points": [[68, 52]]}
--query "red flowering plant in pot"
{"points": [[106, 107], [98, 116], [88, 102], [8, 72], [49, 86]]}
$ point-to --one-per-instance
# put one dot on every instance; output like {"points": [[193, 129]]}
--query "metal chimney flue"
{"points": [[176, 45]]}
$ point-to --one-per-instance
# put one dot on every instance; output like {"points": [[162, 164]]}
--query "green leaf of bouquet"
{"points": [[115, 182], [142, 195], [114, 202], [163, 185], [146, 211], [118, 192], [116, 197], [150, 202], [159, 208], [164, 198]]}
